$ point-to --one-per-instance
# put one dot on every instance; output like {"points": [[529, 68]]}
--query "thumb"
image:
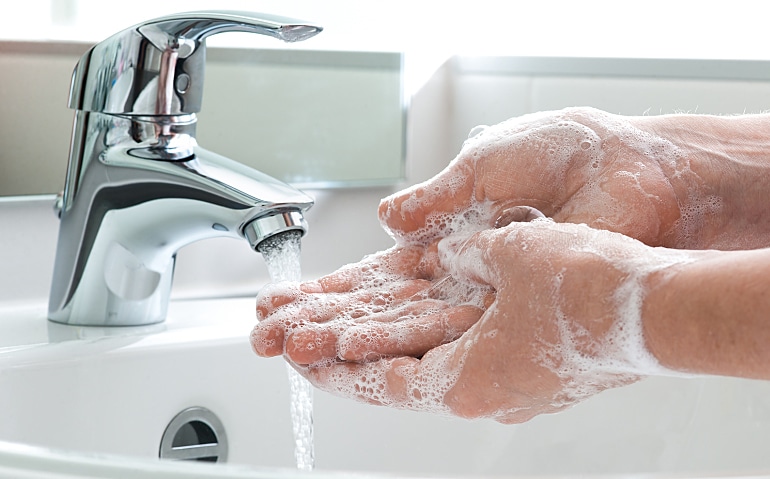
{"points": [[418, 214], [484, 256], [472, 257]]}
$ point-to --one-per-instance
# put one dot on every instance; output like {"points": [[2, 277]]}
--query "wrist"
{"points": [[708, 316], [647, 277], [665, 339]]}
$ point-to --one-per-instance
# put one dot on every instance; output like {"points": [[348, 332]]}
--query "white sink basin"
{"points": [[77, 389], [113, 391]]}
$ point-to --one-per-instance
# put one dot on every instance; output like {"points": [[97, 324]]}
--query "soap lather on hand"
{"points": [[539, 267]]}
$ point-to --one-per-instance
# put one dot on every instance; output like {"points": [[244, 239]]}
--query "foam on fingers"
{"points": [[274, 295], [311, 345], [410, 336], [410, 211], [267, 341], [403, 382]]}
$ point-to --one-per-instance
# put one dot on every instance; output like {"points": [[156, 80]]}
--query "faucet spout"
{"points": [[133, 203]]}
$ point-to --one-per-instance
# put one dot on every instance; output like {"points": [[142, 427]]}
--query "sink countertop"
{"points": [[26, 334]]}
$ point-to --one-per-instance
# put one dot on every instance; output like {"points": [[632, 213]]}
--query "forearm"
{"points": [[712, 316], [721, 178]]}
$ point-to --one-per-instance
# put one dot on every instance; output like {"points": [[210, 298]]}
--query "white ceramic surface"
{"points": [[76, 389]]}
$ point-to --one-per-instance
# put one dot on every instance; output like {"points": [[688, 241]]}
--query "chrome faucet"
{"points": [[138, 186]]}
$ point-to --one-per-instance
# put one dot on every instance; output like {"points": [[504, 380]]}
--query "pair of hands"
{"points": [[483, 308]]}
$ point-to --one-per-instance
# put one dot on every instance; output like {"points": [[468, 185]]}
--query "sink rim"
{"points": [[20, 461]]}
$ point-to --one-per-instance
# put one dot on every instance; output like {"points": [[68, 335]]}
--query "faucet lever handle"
{"points": [[196, 26], [157, 67]]}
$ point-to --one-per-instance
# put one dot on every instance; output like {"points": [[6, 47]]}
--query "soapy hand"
{"points": [[578, 165], [477, 312]]}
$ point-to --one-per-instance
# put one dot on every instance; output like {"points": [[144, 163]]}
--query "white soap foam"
{"points": [[404, 383], [622, 355], [588, 365]]}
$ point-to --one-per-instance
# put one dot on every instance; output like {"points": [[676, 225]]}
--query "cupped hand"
{"points": [[350, 314], [536, 348], [578, 165]]}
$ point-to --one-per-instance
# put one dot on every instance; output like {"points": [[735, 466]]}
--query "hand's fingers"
{"points": [[364, 304], [411, 337], [312, 344], [517, 214], [524, 414], [420, 385], [405, 383], [488, 170], [267, 341], [418, 305], [393, 264], [315, 343], [275, 295], [268, 336], [538, 160], [454, 292], [479, 257], [448, 193], [409, 329]]}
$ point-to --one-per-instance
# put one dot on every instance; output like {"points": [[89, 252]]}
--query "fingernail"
{"points": [[267, 342], [311, 287]]}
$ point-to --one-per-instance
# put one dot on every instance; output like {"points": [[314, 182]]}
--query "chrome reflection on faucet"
{"points": [[138, 186]]}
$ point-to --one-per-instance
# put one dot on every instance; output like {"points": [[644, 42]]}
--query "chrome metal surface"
{"points": [[260, 228], [139, 187], [157, 67], [195, 434]]}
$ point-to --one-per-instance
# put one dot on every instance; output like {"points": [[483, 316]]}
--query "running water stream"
{"points": [[282, 256]]}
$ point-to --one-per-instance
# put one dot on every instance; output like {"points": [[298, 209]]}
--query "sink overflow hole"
{"points": [[195, 434]]}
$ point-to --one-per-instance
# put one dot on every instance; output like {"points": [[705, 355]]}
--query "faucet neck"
{"points": [[138, 189]]}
